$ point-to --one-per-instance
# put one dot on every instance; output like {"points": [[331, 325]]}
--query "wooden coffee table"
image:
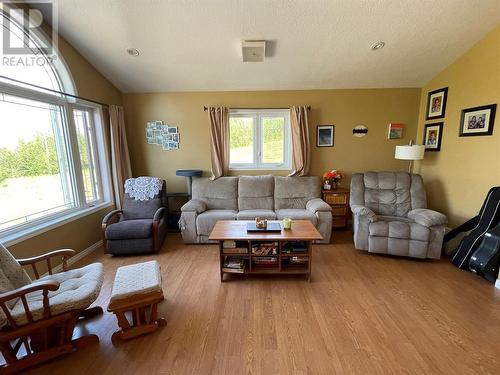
{"points": [[292, 255]]}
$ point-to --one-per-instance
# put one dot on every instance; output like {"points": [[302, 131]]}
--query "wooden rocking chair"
{"points": [[37, 318]]}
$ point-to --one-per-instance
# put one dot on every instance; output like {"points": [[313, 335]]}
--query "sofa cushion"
{"points": [[393, 218], [219, 194], [77, 290], [297, 214], [130, 229], [387, 193], [400, 230], [252, 214], [294, 192], [205, 221], [133, 209], [256, 192], [131, 246]]}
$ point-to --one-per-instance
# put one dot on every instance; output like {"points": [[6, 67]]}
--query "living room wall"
{"points": [[460, 175], [81, 233], [374, 108]]}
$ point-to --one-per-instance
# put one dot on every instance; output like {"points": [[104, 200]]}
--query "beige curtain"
{"points": [[300, 141], [219, 140], [120, 159]]}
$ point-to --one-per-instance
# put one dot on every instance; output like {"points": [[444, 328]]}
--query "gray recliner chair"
{"points": [[390, 215], [140, 227]]}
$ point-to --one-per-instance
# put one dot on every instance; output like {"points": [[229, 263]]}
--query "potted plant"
{"points": [[331, 179]]}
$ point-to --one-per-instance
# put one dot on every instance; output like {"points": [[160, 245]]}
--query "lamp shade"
{"points": [[414, 152]]}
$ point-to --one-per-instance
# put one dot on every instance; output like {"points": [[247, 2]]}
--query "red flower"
{"points": [[333, 176]]}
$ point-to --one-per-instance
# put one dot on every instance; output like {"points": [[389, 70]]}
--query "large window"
{"points": [[259, 139], [53, 163], [49, 157]]}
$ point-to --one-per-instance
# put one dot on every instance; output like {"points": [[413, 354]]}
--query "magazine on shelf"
{"points": [[294, 247], [229, 244], [234, 263], [233, 270], [266, 261]]}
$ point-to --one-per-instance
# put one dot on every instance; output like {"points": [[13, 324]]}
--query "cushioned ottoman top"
{"points": [[136, 279]]}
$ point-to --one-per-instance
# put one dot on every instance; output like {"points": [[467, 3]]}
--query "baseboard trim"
{"points": [[82, 254], [497, 284]]}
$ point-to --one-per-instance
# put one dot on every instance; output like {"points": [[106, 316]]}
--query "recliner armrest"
{"points": [[364, 211], [108, 217], [159, 214], [427, 218], [194, 205], [317, 204]]}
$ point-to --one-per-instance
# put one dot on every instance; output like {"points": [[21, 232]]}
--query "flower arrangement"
{"points": [[332, 178]]}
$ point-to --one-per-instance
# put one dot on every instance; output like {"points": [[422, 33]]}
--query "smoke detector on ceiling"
{"points": [[253, 50]]}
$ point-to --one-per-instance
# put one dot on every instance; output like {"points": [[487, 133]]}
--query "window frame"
{"points": [[23, 231], [58, 67], [258, 140]]}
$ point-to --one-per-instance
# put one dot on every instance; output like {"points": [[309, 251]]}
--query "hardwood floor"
{"points": [[360, 314]]}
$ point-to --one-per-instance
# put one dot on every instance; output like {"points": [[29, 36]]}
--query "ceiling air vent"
{"points": [[254, 50]]}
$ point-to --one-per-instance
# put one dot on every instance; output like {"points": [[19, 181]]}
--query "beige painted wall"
{"points": [[83, 232], [374, 108], [459, 176]]}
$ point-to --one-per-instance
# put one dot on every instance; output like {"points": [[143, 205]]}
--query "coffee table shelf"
{"points": [[302, 231]]}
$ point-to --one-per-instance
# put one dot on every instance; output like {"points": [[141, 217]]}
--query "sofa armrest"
{"points": [[317, 204], [194, 205], [427, 218], [364, 211]]}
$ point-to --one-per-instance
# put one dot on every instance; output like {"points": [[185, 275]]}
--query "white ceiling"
{"points": [[194, 45]]}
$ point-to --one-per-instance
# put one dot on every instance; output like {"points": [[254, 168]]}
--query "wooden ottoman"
{"points": [[136, 291]]}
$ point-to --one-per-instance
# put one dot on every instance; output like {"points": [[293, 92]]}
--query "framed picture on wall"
{"points": [[395, 131], [433, 133], [477, 120], [325, 135], [436, 103]]}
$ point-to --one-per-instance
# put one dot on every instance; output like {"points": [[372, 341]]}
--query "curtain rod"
{"points": [[308, 108], [54, 91]]}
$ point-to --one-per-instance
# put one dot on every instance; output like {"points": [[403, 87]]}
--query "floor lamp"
{"points": [[410, 152]]}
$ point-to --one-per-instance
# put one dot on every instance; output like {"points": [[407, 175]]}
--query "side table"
{"points": [[338, 199]]}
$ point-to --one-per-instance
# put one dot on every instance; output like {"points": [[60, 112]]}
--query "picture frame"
{"points": [[477, 121], [396, 131], [166, 145], [325, 135], [164, 135], [436, 104], [433, 134]]}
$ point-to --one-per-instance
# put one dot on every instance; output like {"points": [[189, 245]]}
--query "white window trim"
{"points": [[257, 115], [21, 232], [49, 223]]}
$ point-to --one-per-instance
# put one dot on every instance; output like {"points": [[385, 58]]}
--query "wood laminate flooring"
{"points": [[360, 314]]}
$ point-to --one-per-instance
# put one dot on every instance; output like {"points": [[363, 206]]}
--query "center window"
{"points": [[260, 139]]}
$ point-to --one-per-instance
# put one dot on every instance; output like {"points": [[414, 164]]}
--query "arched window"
{"points": [[53, 162], [32, 66]]}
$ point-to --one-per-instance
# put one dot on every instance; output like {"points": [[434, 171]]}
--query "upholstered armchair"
{"points": [[141, 226], [390, 215], [38, 317]]}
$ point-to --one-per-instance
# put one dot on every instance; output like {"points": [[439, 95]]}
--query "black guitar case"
{"points": [[489, 217], [486, 259]]}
